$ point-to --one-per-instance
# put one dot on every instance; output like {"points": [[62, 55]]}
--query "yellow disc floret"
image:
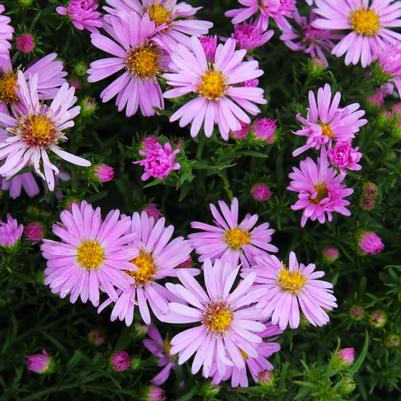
{"points": [[213, 85], [90, 255], [142, 61], [217, 317], [365, 22], [236, 238]]}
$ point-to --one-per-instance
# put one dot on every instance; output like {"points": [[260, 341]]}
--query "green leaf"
{"points": [[358, 363]]}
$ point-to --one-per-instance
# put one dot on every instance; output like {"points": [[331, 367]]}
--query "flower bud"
{"points": [[264, 129], [80, 69], [88, 107], [357, 312], [242, 133], [95, 337], [346, 385], [378, 319], [260, 192], [392, 341], [316, 66], [209, 44], [153, 393], [370, 243], [25, 43], [266, 379], [34, 232], [39, 363], [120, 361], [347, 355], [152, 211], [103, 173], [136, 363], [330, 255]]}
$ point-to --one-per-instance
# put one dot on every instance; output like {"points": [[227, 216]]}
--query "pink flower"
{"points": [[10, 232], [154, 393], [209, 44], [243, 132], [36, 128], [308, 39], [120, 361], [140, 58], [92, 255], [218, 97], [261, 192], [250, 35], [370, 243], [369, 23], [34, 232], [320, 190], [159, 160], [327, 122], [39, 363], [6, 32], [161, 349], [152, 211], [230, 241], [15, 185], [175, 22], [25, 43], [104, 173], [343, 156], [228, 321], [83, 14], [287, 290], [156, 258], [95, 337], [390, 63], [330, 254], [347, 355], [278, 10], [264, 129]]}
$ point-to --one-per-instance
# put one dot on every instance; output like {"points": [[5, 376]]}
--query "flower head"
{"points": [[230, 241], [287, 290], [83, 14], [120, 361], [228, 323], [10, 232], [218, 97], [320, 190], [156, 258], [153, 393], [261, 192], [161, 349], [159, 160], [330, 254], [37, 128], [264, 129], [25, 43], [6, 32], [369, 23], [250, 35], [370, 243], [104, 173], [34, 232], [39, 363], [326, 122], [92, 255], [344, 157], [347, 355], [209, 44]]}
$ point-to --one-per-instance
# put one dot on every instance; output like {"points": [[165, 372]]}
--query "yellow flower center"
{"points": [[146, 269], [365, 22], [8, 84], [217, 317], [236, 238], [326, 130], [90, 255], [159, 14], [213, 85], [322, 193], [143, 61], [291, 281], [38, 130]]}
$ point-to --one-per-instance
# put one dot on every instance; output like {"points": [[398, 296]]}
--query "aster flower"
{"points": [[36, 128], [10, 232], [15, 185], [286, 291], [161, 349], [228, 322], [370, 243], [156, 259], [370, 23], [390, 64], [159, 160], [82, 14], [219, 100], [229, 241], [92, 255], [308, 39], [344, 157], [140, 58], [320, 190], [250, 35], [6, 32], [327, 122], [278, 10], [174, 21]]}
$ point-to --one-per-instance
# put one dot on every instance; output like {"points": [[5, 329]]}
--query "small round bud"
{"points": [[34, 232], [103, 173], [260, 192], [80, 69], [316, 66], [136, 363], [347, 385], [347, 356], [370, 243], [120, 361], [392, 341], [88, 107], [378, 319], [25, 43], [39, 363], [330, 254], [95, 337], [153, 393], [357, 312]]}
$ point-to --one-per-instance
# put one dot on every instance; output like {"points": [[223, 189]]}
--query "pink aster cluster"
{"points": [[159, 160]]}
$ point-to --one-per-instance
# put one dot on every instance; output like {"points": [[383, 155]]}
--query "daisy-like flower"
{"points": [[15, 185], [91, 256], [370, 23], [286, 291], [134, 51], [51, 76], [10, 232], [278, 10], [308, 39], [256, 366], [327, 122], [161, 349], [36, 128], [250, 35], [228, 321], [156, 259], [320, 190], [390, 64], [219, 98], [175, 21], [6, 32], [344, 157], [230, 241]]}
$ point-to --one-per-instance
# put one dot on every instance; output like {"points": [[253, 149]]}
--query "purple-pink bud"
{"points": [[38, 363], [261, 192], [264, 376], [154, 393], [209, 44], [370, 243], [25, 43], [264, 129], [34, 232], [330, 254], [152, 211], [347, 355], [243, 132], [104, 173], [120, 361]]}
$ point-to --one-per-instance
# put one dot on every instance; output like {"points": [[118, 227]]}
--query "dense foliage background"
{"points": [[33, 319]]}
